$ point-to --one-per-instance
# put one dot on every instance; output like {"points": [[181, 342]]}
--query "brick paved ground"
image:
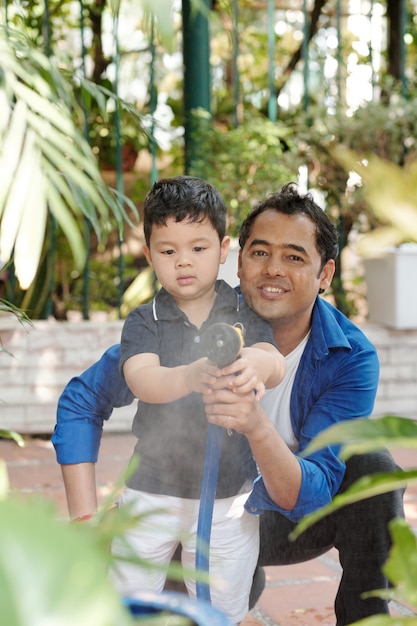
{"points": [[296, 595]]}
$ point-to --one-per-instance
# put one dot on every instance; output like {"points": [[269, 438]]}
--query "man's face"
{"points": [[279, 269]]}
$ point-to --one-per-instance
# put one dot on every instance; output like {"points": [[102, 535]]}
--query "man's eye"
{"points": [[259, 253], [294, 257]]}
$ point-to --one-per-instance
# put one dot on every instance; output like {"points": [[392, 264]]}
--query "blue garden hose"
{"points": [[205, 514], [222, 344]]}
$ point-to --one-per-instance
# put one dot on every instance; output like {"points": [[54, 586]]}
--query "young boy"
{"points": [[164, 366]]}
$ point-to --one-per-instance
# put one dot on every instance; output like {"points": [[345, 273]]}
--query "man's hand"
{"points": [[235, 411]]}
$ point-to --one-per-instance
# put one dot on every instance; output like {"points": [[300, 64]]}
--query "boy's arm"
{"points": [[259, 366], [267, 361], [80, 489], [156, 384]]}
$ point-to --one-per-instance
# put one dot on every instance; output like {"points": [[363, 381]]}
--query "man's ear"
{"points": [[147, 254], [224, 249], [326, 275], [239, 262]]}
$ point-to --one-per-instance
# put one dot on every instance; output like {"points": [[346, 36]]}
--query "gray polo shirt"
{"points": [[172, 436]]}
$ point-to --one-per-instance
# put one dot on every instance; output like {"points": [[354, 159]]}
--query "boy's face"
{"points": [[185, 257]]}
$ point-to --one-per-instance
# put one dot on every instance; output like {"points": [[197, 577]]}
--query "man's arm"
{"points": [[346, 391], [80, 489], [85, 403], [277, 464]]}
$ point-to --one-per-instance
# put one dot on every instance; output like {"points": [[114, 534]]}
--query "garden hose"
{"points": [[222, 344]]}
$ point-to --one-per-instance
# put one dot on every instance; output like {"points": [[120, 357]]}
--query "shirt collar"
{"points": [[327, 328], [164, 307]]}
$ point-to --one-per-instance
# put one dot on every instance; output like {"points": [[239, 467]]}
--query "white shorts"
{"points": [[234, 547]]}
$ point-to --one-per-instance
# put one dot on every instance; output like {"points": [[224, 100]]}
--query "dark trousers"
{"points": [[358, 531]]}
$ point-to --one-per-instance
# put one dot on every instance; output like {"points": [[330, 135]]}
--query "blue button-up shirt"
{"points": [[336, 380]]}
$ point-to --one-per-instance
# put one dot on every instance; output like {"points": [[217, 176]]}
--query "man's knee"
{"points": [[373, 512], [367, 464]]}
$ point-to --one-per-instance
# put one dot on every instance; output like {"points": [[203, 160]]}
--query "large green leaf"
{"points": [[401, 567], [12, 144], [365, 487], [46, 162], [391, 192], [358, 437], [366, 435], [29, 240], [161, 13], [401, 570]]}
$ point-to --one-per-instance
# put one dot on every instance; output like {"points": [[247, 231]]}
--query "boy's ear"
{"points": [[224, 249], [147, 254]]}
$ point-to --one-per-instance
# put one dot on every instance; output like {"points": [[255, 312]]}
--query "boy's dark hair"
{"points": [[290, 202], [184, 198]]}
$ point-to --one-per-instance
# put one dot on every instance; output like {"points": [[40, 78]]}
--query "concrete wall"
{"points": [[47, 354]]}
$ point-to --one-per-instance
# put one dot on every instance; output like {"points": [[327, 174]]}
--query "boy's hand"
{"points": [[202, 375], [242, 377]]}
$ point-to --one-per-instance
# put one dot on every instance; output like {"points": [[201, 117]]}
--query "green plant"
{"points": [[390, 191], [358, 437], [47, 166], [53, 571], [244, 163]]}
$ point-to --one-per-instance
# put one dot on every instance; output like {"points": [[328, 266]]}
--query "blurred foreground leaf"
{"points": [[391, 192], [52, 572]]}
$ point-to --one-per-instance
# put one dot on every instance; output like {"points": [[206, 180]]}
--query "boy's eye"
{"points": [[168, 252], [198, 248]]}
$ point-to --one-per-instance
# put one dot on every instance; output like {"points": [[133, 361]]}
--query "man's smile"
{"points": [[272, 290]]}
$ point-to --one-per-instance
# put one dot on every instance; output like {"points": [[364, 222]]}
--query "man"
{"points": [[287, 258]]}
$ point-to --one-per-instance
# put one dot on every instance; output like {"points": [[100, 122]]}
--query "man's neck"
{"points": [[288, 335]]}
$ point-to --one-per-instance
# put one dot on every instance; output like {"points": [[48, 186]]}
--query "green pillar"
{"points": [[197, 79]]}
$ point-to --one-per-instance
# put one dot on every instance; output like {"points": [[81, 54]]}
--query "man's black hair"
{"points": [[184, 198], [290, 202]]}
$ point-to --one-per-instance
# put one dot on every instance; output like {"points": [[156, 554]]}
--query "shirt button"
{"points": [[197, 339], [253, 509]]}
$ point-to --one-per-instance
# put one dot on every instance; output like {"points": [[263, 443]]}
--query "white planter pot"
{"points": [[392, 287]]}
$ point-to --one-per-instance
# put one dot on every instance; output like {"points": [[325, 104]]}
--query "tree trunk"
{"points": [[395, 38]]}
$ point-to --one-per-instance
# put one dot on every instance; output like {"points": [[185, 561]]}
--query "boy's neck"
{"points": [[197, 311]]}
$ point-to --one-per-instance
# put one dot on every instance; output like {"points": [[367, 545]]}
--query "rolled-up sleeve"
{"points": [[315, 491], [86, 402]]}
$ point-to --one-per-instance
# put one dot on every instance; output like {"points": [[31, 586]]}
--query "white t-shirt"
{"points": [[276, 401]]}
